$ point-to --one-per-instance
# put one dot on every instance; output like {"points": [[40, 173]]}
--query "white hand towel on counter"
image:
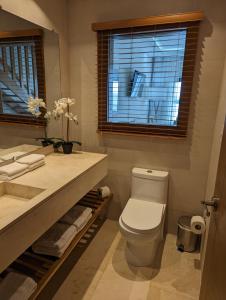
{"points": [[36, 165], [12, 155], [33, 161], [56, 240], [16, 286], [8, 178], [12, 170], [77, 216]]}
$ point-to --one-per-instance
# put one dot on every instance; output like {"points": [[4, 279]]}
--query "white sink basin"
{"points": [[18, 192], [14, 196]]}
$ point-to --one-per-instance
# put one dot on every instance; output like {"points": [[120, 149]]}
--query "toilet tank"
{"points": [[150, 185]]}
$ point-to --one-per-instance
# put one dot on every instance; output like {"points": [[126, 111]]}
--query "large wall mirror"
{"points": [[29, 67]]}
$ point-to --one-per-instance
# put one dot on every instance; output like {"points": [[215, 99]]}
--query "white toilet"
{"points": [[142, 220]]}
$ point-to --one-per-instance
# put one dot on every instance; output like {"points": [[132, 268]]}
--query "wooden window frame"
{"points": [[191, 22], [35, 35]]}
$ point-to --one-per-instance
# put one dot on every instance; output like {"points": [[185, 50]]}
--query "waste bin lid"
{"points": [[185, 222]]}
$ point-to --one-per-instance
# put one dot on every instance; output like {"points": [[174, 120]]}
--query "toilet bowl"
{"points": [[142, 220]]}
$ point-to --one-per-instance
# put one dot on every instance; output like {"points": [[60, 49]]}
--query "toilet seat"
{"points": [[142, 216]]}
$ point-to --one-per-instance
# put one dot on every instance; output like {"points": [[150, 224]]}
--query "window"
{"points": [[145, 75], [21, 74]]}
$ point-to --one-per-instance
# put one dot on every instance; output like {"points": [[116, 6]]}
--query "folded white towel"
{"points": [[76, 215], [4, 177], [31, 159], [12, 155], [12, 169], [36, 165], [17, 286], [56, 240]]}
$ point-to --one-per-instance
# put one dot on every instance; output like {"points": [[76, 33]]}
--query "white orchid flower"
{"points": [[69, 116], [70, 101], [61, 104], [64, 102], [48, 115], [42, 104], [75, 119], [34, 105]]}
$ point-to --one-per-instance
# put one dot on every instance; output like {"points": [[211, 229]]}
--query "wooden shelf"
{"points": [[41, 267]]}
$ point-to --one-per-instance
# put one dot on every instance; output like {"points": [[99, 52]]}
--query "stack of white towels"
{"points": [[32, 161], [57, 239], [21, 166], [16, 286]]}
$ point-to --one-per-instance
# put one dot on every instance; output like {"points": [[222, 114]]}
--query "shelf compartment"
{"points": [[41, 267]]}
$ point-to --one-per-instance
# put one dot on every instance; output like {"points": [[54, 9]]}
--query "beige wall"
{"points": [[187, 160], [54, 20]]}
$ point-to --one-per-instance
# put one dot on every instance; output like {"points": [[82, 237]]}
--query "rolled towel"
{"points": [[104, 191], [56, 240], [17, 286], [76, 215], [31, 159], [12, 155], [12, 169]]}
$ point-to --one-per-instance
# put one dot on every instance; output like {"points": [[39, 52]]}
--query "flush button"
{"points": [[149, 171]]}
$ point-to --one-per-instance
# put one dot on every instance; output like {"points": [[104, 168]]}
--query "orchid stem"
{"points": [[68, 124]]}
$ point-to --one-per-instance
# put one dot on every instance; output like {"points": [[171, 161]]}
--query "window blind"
{"points": [[145, 77]]}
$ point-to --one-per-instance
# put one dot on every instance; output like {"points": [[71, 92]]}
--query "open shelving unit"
{"points": [[41, 267]]}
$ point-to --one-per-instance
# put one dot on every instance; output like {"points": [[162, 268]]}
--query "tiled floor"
{"points": [[103, 274]]}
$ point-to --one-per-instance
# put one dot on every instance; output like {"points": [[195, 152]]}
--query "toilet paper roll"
{"points": [[104, 191], [198, 225]]}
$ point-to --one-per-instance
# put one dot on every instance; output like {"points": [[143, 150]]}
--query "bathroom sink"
{"points": [[13, 196], [18, 192]]}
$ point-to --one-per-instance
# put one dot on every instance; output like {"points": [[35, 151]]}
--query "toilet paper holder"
{"points": [[213, 203]]}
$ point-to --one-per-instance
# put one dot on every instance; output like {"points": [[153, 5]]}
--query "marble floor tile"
{"points": [[155, 293], [85, 275], [102, 273]]}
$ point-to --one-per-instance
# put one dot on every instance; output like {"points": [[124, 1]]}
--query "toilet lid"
{"points": [[142, 216]]}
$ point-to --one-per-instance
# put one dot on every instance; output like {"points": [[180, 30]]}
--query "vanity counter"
{"points": [[60, 183]]}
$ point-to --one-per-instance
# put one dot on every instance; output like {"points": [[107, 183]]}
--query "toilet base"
{"points": [[141, 255]]}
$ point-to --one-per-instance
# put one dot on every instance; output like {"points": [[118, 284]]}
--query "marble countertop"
{"points": [[59, 171]]}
